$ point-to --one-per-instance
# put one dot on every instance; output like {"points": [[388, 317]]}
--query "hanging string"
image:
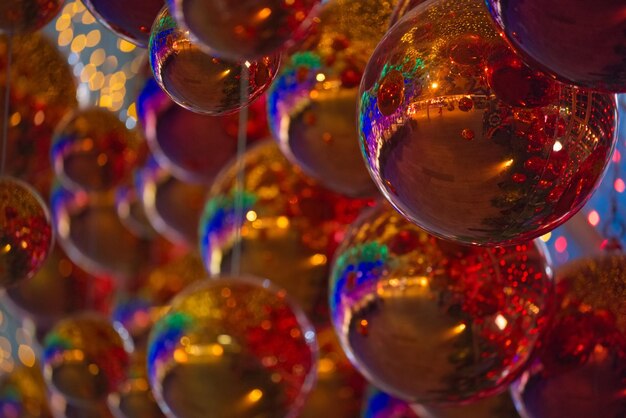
{"points": [[7, 96], [242, 139]]}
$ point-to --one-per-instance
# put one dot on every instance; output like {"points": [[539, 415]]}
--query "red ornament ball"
{"points": [[232, 347], [578, 41], [131, 22], [434, 322], [581, 361], [246, 29], [25, 231], [85, 358], [467, 141]]}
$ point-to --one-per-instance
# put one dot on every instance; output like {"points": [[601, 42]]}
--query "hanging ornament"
{"points": [[58, 290], [173, 207], [381, 405], [85, 358], [23, 393], [92, 235], [468, 142], [339, 389], [458, 323], [579, 42], [25, 231], [193, 147], [22, 16], [41, 93], [138, 312], [201, 82], [93, 150], [312, 104], [289, 230], [248, 29], [134, 399], [232, 347], [579, 367], [131, 23]]}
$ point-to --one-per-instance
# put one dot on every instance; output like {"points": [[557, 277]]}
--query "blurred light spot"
{"points": [[255, 395], [617, 156], [557, 146], [593, 218], [26, 355], [560, 244], [93, 38], [620, 186], [125, 46], [546, 237], [66, 37]]}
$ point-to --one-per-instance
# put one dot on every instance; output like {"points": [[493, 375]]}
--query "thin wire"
{"points": [[7, 95], [242, 139]]}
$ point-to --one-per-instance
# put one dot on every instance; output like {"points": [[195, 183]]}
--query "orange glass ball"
{"points": [[202, 82], [312, 104], [246, 29], [94, 151], [232, 347], [85, 358], [26, 235], [467, 141]]}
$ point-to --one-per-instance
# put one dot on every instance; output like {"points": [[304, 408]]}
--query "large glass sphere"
{"points": [[85, 358], [313, 102], [578, 41], [289, 226], [467, 141], [93, 150], [131, 22], [579, 368], [246, 29], [232, 347], [202, 82], [25, 231], [434, 322], [21, 16]]}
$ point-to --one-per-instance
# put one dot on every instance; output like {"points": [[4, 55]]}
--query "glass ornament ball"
{"points": [[202, 82], [131, 23], [134, 399], [173, 207], [579, 367], [92, 235], [467, 141], [38, 101], [579, 42], [290, 226], [433, 322], [23, 16], [232, 347], [193, 147], [26, 235], [93, 150], [59, 289], [23, 392], [247, 29], [312, 103], [85, 358]]}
